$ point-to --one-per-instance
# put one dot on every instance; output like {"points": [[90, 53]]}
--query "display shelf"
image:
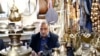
{"points": [[24, 36]]}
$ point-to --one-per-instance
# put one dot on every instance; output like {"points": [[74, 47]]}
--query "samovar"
{"points": [[15, 31], [15, 47]]}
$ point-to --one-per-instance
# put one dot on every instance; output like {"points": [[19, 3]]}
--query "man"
{"points": [[44, 39]]}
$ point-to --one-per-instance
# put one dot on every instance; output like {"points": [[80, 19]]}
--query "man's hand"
{"points": [[34, 53], [39, 53]]}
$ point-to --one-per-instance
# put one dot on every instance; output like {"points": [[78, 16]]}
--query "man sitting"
{"points": [[44, 40]]}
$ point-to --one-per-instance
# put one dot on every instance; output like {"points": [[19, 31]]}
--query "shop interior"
{"points": [[76, 22]]}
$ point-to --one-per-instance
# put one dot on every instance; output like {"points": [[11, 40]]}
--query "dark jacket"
{"points": [[35, 42], [1, 44]]}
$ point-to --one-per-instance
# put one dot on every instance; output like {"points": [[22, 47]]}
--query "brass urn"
{"points": [[15, 47]]}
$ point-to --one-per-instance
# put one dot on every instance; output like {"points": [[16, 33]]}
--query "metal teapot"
{"points": [[14, 15]]}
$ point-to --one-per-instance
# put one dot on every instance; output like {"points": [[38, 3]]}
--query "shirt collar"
{"points": [[48, 35]]}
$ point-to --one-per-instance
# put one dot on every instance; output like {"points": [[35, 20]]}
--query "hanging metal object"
{"points": [[14, 15], [43, 6]]}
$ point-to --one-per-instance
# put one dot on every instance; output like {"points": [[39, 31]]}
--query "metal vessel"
{"points": [[15, 32]]}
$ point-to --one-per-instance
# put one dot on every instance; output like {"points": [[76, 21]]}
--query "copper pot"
{"points": [[43, 6]]}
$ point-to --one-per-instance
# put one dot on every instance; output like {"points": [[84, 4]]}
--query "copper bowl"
{"points": [[3, 27], [2, 32], [17, 31], [29, 28]]}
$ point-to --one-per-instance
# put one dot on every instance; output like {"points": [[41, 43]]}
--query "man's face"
{"points": [[44, 30]]}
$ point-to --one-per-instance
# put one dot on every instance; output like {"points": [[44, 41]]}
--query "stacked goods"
{"points": [[95, 15]]}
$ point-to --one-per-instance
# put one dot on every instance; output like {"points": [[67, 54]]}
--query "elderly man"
{"points": [[44, 39]]}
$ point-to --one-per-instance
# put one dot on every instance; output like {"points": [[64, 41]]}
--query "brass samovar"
{"points": [[15, 30]]}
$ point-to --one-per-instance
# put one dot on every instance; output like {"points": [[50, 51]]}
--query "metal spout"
{"points": [[63, 49], [56, 52]]}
